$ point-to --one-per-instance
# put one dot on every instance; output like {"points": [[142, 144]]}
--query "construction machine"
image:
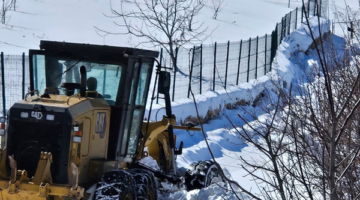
{"points": [[80, 132]]}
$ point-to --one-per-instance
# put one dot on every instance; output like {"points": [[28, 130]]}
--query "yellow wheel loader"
{"points": [[79, 133]]}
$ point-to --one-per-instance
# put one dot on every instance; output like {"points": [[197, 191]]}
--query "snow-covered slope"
{"points": [[223, 139], [74, 21]]}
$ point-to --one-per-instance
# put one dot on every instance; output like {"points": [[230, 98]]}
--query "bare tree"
{"points": [[6, 6], [168, 24], [13, 3], [310, 140], [217, 6]]}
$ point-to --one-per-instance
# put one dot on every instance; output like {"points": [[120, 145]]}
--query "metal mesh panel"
{"points": [[1, 100], [324, 8], [279, 30], [312, 9], [13, 79], [208, 67], [182, 74], [268, 53], [252, 69], [244, 61], [293, 24], [287, 24], [261, 57], [234, 51], [195, 74], [221, 51]]}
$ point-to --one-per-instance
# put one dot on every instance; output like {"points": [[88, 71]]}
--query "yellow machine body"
{"points": [[88, 133], [91, 147]]}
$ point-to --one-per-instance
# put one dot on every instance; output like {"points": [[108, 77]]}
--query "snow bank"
{"points": [[297, 42], [212, 100], [291, 62], [213, 192]]}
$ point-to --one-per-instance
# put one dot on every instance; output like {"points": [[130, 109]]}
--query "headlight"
{"points": [[50, 117], [24, 115], [77, 139]]}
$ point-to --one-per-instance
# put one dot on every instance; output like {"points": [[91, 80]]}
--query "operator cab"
{"points": [[117, 81], [59, 75]]}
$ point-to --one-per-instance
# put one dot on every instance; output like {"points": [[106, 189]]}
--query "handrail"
{"points": [[75, 95], [27, 94]]}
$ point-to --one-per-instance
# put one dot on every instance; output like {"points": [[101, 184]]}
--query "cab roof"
{"points": [[68, 49]]}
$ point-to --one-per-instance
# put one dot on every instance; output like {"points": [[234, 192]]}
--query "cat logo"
{"points": [[100, 126], [37, 115]]}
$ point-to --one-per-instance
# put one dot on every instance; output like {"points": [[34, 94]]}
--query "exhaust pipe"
{"points": [[82, 81]]}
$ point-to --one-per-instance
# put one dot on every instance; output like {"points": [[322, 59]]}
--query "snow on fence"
{"points": [[206, 67], [217, 66]]}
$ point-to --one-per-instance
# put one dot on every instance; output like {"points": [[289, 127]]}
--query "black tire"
{"points": [[115, 185], [145, 184], [202, 174]]}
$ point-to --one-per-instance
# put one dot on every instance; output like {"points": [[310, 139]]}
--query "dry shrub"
{"points": [[242, 102], [211, 114], [257, 99]]}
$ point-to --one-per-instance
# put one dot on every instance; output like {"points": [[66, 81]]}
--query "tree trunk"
{"points": [[333, 195]]}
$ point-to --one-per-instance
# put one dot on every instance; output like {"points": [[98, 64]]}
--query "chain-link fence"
{"points": [[206, 67], [220, 65], [15, 79]]}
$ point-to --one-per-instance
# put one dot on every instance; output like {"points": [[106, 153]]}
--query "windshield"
{"points": [[103, 78]]}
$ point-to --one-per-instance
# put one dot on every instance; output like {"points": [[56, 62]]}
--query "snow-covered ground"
{"points": [[224, 141], [74, 21]]}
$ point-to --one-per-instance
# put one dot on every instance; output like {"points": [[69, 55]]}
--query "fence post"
{"points": [[161, 57], [3, 83], [200, 68], [227, 63], [282, 29], [238, 72], [315, 8], [302, 12], [214, 68], [23, 75], [289, 25], [248, 68], [296, 18], [274, 45], [176, 53], [257, 48], [191, 69], [265, 53]]}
